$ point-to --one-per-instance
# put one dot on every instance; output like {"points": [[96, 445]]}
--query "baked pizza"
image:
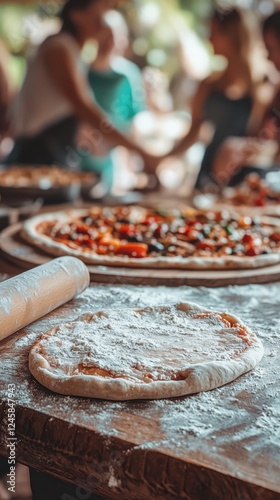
{"points": [[151, 353], [44, 177], [146, 237], [254, 195]]}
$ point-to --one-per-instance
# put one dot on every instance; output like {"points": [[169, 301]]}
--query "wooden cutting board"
{"points": [[21, 253]]}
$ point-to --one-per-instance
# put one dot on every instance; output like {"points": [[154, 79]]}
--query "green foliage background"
{"points": [[174, 16]]}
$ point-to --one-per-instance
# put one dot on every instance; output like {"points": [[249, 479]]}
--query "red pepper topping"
{"points": [[136, 250]]}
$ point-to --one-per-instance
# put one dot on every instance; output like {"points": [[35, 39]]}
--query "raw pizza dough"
{"points": [[152, 353], [44, 242]]}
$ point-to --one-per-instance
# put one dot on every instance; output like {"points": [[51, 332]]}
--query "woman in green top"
{"points": [[55, 96], [118, 90]]}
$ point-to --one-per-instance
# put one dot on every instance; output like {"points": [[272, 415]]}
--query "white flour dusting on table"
{"points": [[243, 415]]}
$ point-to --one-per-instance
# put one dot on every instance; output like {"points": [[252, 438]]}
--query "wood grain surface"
{"points": [[14, 249], [218, 445]]}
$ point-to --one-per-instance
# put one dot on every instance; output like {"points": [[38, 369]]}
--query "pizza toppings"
{"points": [[140, 233], [136, 250], [253, 192], [254, 196]]}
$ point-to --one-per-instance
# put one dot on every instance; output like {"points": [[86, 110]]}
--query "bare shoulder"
{"points": [[61, 41], [213, 78], [210, 82]]}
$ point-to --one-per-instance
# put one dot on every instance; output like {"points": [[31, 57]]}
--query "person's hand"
{"points": [[231, 156], [151, 162]]}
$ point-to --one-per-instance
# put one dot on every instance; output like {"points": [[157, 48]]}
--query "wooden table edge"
{"points": [[143, 471]]}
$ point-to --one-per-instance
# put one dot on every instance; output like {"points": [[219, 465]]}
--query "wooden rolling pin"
{"points": [[34, 293]]}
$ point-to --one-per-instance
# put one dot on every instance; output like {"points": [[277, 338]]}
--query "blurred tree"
{"points": [[156, 27], [200, 9]]}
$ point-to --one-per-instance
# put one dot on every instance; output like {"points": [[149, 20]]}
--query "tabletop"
{"points": [[220, 444]]}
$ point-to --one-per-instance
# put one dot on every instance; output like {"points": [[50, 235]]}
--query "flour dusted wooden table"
{"points": [[223, 444]]}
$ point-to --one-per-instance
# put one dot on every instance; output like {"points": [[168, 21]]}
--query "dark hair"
{"points": [[232, 22], [65, 14], [272, 23], [226, 17]]}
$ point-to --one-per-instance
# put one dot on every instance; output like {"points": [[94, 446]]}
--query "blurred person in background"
{"points": [[194, 63], [6, 93], [227, 98], [118, 90], [259, 153], [56, 97]]}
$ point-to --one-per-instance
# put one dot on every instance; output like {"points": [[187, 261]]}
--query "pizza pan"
{"points": [[51, 194], [18, 211], [63, 194]]}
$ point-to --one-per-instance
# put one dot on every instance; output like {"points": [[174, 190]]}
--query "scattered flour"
{"points": [[242, 417]]}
